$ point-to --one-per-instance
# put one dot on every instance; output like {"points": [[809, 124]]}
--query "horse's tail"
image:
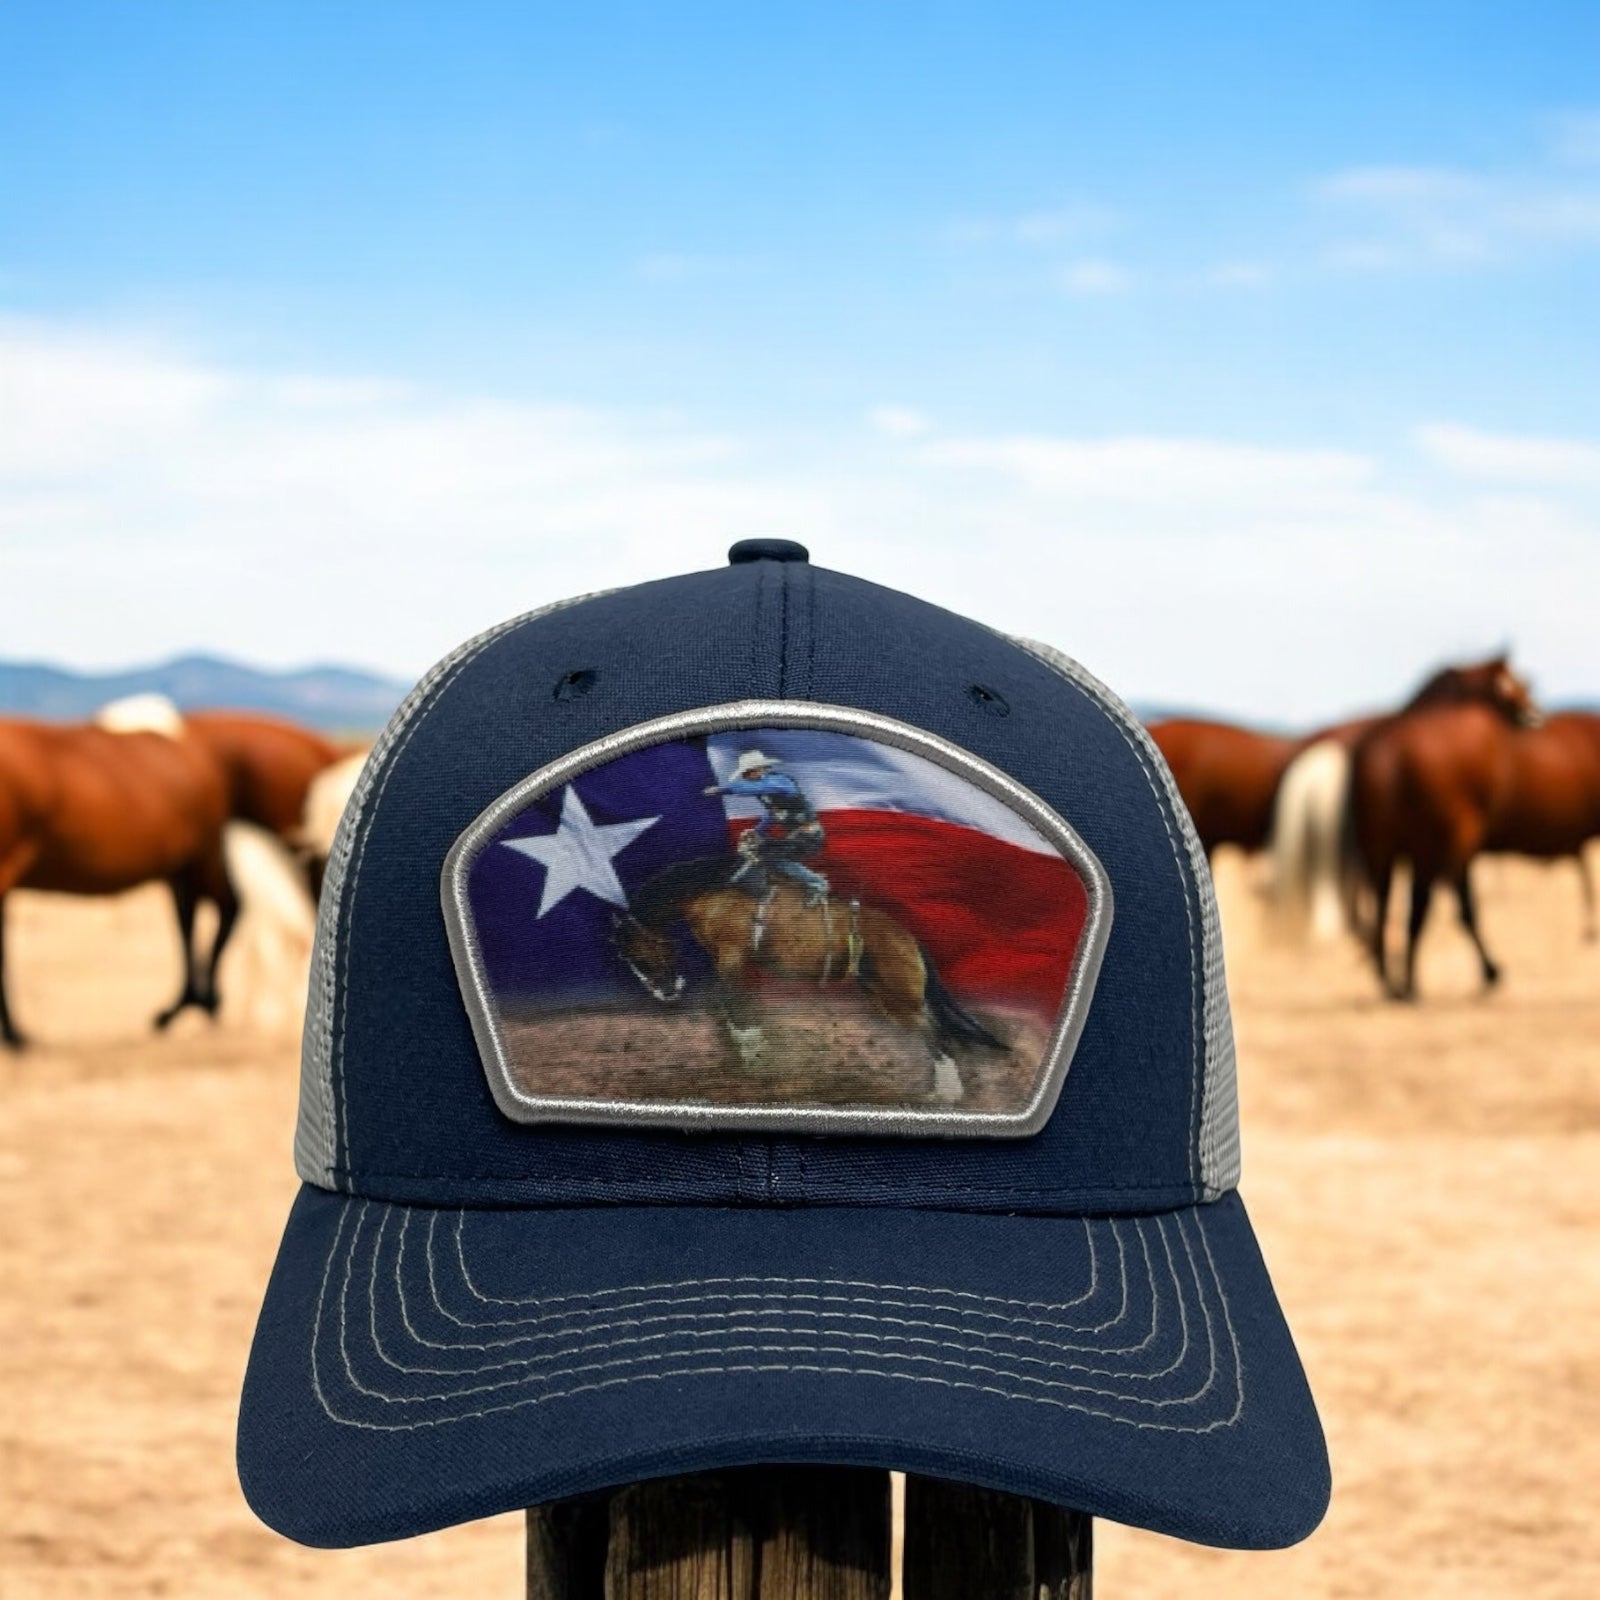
{"points": [[270, 956], [1308, 841], [952, 1020], [1356, 891]]}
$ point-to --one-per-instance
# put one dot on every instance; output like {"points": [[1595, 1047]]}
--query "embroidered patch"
{"points": [[776, 915]]}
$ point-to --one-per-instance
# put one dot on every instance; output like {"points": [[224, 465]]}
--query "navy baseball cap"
{"points": [[758, 1016]]}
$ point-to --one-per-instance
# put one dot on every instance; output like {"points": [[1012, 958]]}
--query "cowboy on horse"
{"points": [[787, 833]]}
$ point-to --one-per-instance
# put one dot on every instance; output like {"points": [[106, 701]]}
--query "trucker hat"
{"points": [[758, 1016]]}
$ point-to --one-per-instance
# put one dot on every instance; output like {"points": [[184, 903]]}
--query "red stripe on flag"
{"points": [[1000, 923]]}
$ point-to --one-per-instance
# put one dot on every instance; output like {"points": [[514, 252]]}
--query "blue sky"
{"points": [[1247, 351]]}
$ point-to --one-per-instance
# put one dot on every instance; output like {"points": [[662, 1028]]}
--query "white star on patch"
{"points": [[578, 854]]}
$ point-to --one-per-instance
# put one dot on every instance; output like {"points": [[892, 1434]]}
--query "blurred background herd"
{"points": [[237, 810]]}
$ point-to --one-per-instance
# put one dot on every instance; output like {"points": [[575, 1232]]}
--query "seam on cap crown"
{"points": [[1217, 1132], [318, 1128]]}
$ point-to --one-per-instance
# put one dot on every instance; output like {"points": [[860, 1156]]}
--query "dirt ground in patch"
{"points": [[1426, 1182], [839, 1054]]}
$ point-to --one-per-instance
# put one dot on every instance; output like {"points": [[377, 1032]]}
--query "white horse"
{"points": [[141, 713]]}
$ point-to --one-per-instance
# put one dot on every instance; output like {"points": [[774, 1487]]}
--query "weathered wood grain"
{"points": [[964, 1543], [567, 1549], [765, 1533], [1063, 1554]]}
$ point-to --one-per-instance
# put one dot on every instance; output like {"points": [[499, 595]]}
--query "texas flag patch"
{"points": [[776, 916]]}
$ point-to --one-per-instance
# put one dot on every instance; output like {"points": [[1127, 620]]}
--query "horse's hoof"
{"points": [[947, 1087], [1491, 976], [15, 1042], [164, 1019], [751, 1044]]}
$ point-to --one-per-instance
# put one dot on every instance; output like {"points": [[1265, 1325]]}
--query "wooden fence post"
{"points": [[764, 1533], [963, 1543], [804, 1533]]}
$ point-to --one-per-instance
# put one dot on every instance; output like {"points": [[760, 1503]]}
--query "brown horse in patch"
{"points": [[1425, 787], [87, 811], [779, 936]]}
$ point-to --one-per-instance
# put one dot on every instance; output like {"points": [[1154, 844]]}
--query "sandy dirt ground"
{"points": [[1426, 1182]]}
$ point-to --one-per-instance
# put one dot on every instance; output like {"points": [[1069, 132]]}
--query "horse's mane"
{"points": [[658, 900], [1454, 684]]}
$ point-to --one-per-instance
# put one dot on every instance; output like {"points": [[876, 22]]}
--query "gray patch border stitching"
{"points": [[529, 1108]]}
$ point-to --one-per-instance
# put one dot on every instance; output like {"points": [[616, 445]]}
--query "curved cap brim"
{"points": [[415, 1368]]}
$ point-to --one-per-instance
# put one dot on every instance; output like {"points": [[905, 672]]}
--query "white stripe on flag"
{"points": [[840, 772]]}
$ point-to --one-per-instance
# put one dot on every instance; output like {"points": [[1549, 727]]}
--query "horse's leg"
{"points": [[895, 983], [9, 1034], [1591, 931], [1469, 921], [739, 1014], [185, 898], [1421, 899], [1377, 941], [216, 885], [14, 865]]}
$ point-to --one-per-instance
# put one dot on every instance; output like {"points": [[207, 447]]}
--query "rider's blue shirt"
{"points": [[775, 786]]}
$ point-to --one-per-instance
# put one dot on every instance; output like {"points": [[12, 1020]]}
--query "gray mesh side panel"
{"points": [[1218, 1135], [316, 1131]]}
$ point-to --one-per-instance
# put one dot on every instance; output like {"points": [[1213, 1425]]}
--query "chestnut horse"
{"points": [[268, 762], [84, 810], [1551, 807], [1229, 776], [1425, 787], [1308, 817]]}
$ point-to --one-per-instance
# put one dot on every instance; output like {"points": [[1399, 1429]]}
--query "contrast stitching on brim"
{"points": [[941, 1294], [881, 1366], [747, 1303], [750, 1325]]}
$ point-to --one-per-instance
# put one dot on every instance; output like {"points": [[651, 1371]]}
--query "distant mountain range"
{"points": [[340, 699]]}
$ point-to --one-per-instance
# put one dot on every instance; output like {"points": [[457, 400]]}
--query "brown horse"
{"points": [[1425, 786], [88, 811], [780, 936], [1229, 776], [1551, 806], [269, 763]]}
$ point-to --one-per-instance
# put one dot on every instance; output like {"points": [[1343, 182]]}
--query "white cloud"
{"points": [[1162, 472], [1046, 227], [679, 266], [1577, 138], [897, 422], [152, 500], [1512, 458], [1091, 277], [1409, 216], [1242, 275]]}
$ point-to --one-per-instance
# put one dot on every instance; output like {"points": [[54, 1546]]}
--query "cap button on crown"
{"points": [[767, 550]]}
